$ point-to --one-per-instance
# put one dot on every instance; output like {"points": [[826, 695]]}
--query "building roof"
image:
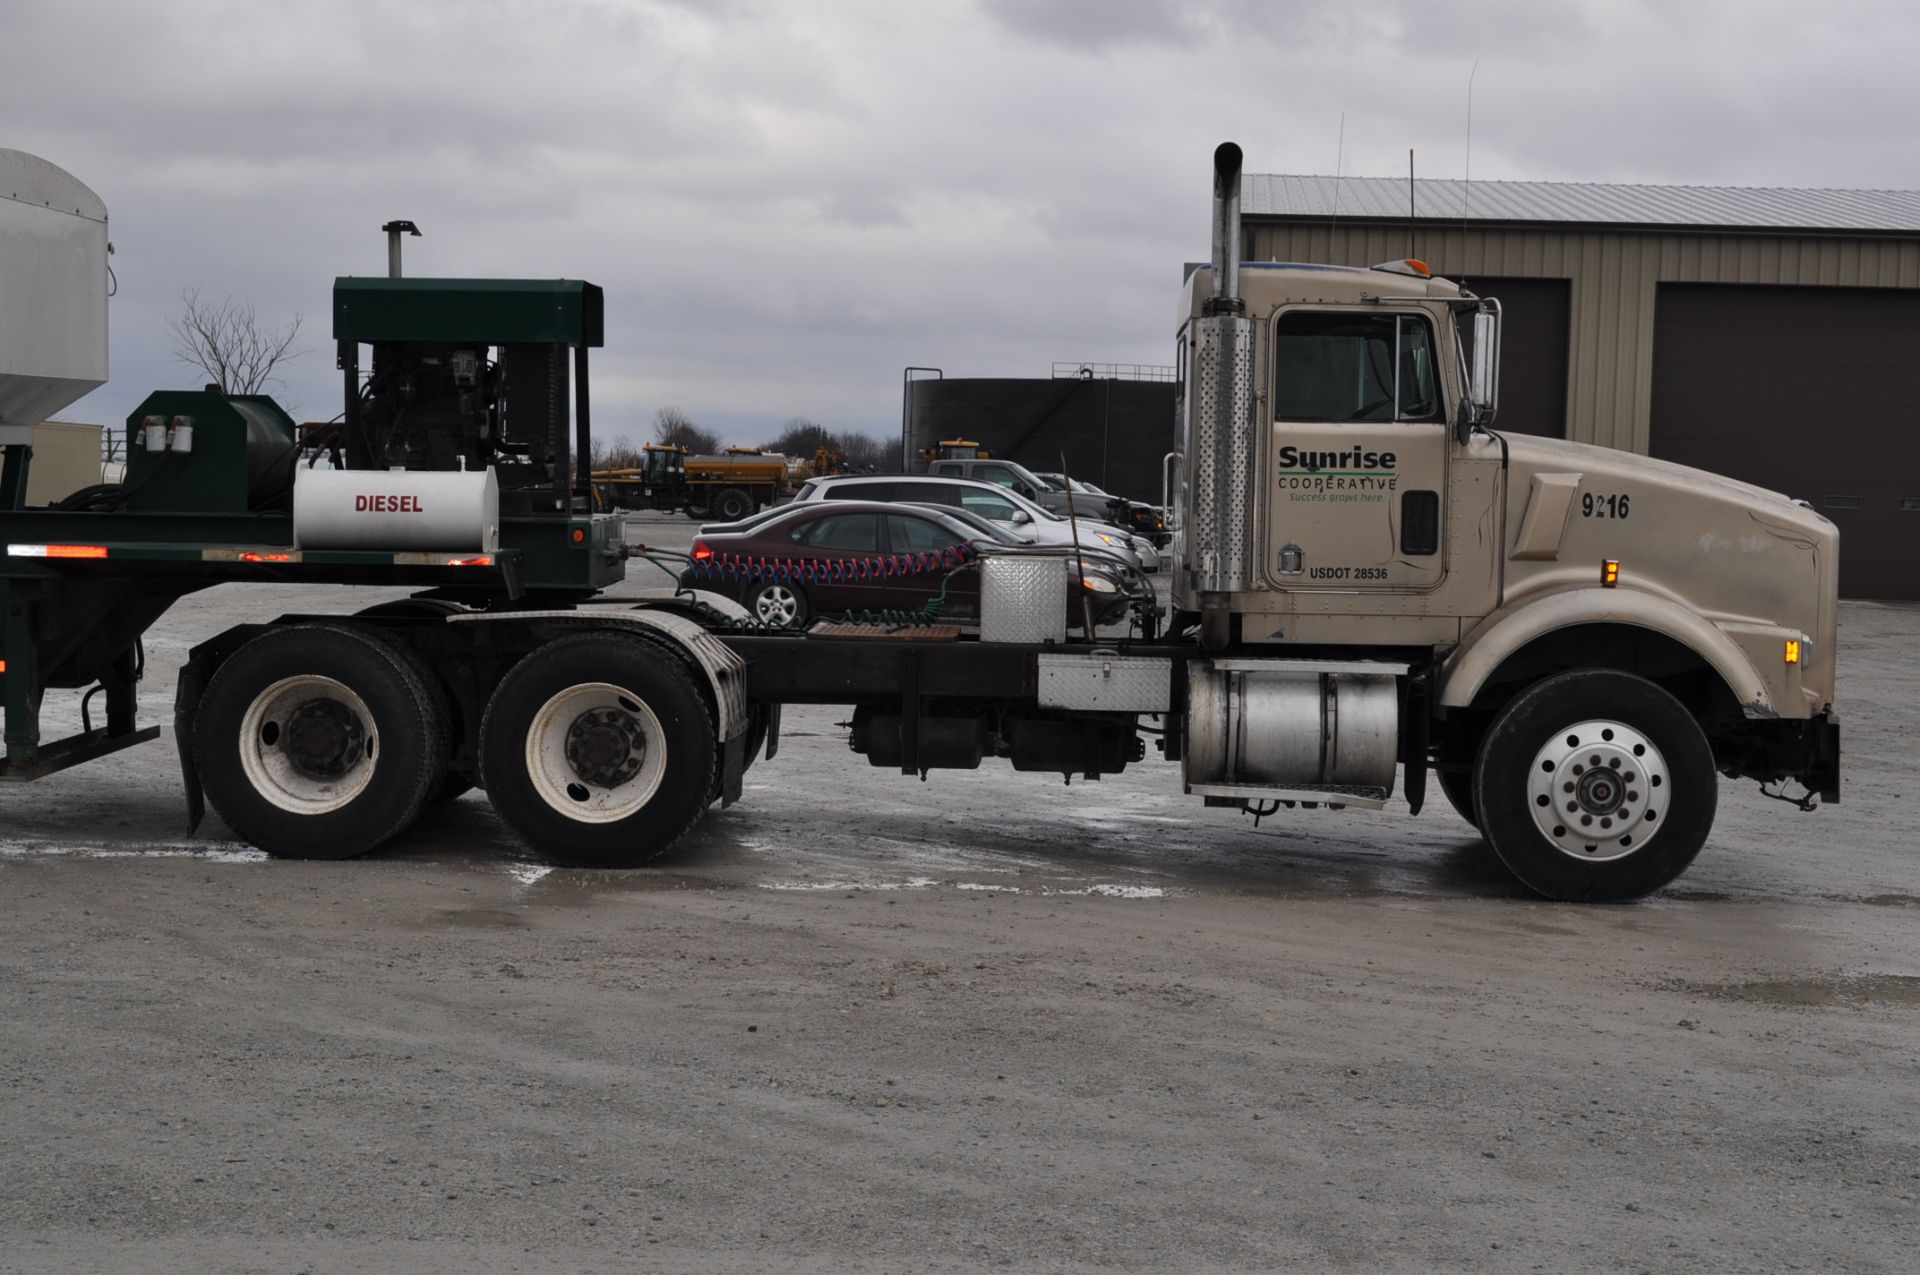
{"points": [[1444, 199]]}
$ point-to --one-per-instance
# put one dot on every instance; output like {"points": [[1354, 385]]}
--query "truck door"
{"points": [[1357, 466]]}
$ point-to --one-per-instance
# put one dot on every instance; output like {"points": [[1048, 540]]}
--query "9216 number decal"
{"points": [[1594, 505]]}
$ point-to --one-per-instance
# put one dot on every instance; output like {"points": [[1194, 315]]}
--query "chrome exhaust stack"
{"points": [[1219, 557], [1226, 232]]}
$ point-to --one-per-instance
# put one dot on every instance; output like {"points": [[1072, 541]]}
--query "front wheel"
{"points": [[598, 750], [1457, 787], [1595, 786]]}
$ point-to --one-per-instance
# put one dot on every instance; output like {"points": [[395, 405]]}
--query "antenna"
{"points": [[1339, 158], [1410, 208], [1466, 196]]}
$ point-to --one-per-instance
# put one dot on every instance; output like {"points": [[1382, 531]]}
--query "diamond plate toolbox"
{"points": [[1023, 598], [1106, 683]]}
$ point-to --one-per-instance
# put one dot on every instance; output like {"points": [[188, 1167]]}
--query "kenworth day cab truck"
{"points": [[1369, 580]]}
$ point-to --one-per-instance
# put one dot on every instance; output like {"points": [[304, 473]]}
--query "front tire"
{"points": [[1595, 787], [1457, 787], [319, 741], [598, 750]]}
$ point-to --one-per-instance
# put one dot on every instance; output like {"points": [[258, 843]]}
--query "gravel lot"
{"points": [[861, 1023]]}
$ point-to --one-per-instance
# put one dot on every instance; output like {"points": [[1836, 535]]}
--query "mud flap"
{"points": [[733, 764], [1416, 718], [186, 703]]}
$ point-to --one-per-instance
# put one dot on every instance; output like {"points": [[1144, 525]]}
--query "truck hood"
{"points": [[1539, 455], [1748, 559]]}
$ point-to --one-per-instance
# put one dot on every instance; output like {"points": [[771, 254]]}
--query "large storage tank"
{"points": [[53, 292], [1113, 430]]}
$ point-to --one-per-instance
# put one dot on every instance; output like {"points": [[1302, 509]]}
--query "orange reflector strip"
{"points": [[266, 557], [1793, 651], [1609, 573], [485, 560], [56, 551]]}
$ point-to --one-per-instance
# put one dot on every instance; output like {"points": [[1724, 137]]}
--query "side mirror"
{"points": [[1021, 517], [1483, 378]]}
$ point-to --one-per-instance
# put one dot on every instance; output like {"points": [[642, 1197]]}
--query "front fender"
{"points": [[1481, 653]]}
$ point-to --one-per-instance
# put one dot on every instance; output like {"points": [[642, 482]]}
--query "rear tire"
{"points": [[1595, 787], [599, 750], [319, 741], [454, 783]]}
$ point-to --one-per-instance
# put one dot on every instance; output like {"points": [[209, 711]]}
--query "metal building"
{"points": [[1767, 334]]}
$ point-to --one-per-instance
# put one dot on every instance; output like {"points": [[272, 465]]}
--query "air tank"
{"points": [[53, 292]]}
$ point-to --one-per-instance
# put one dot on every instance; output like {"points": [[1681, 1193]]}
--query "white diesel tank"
{"points": [[403, 510], [53, 292]]}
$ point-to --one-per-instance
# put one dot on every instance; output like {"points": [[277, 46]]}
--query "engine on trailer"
{"points": [[470, 375]]}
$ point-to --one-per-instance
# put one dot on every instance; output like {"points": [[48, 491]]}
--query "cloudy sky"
{"points": [[788, 201]]}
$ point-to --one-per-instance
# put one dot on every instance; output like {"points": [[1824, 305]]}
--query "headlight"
{"points": [[1099, 584]]}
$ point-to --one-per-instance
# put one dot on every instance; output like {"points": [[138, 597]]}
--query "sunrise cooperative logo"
{"points": [[1354, 470]]}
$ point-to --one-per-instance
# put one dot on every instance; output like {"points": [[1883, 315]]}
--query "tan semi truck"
{"points": [[1370, 581]]}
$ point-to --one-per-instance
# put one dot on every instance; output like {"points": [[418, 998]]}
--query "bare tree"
{"points": [[226, 344], [675, 428], [803, 437]]}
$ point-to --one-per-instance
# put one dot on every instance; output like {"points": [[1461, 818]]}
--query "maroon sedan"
{"points": [[842, 556]]}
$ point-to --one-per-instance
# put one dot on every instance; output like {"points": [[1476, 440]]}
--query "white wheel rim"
{"points": [[308, 744], [596, 753], [1598, 791], [777, 604]]}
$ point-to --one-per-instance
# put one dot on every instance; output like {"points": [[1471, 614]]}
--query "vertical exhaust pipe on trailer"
{"points": [[1220, 543]]}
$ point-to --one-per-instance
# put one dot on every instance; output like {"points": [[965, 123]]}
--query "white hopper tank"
{"points": [[53, 292]]}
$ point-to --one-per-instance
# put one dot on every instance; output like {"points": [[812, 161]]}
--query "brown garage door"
{"points": [[1533, 353], [1809, 391]]}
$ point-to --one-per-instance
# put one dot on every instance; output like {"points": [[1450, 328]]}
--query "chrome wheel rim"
{"points": [[595, 753], [308, 744], [776, 604], [1598, 791]]}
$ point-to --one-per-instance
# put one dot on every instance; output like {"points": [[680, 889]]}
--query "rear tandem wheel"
{"points": [[598, 751], [319, 741]]}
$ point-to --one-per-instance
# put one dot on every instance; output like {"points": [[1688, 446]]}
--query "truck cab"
{"points": [[1343, 486]]}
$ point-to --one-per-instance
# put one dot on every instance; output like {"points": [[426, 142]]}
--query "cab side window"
{"points": [[998, 475], [1343, 366]]}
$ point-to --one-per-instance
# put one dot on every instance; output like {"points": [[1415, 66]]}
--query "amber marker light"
{"points": [[1609, 573], [1793, 650], [579, 535]]}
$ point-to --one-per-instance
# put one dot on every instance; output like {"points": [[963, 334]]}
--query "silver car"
{"points": [[1008, 508]]}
